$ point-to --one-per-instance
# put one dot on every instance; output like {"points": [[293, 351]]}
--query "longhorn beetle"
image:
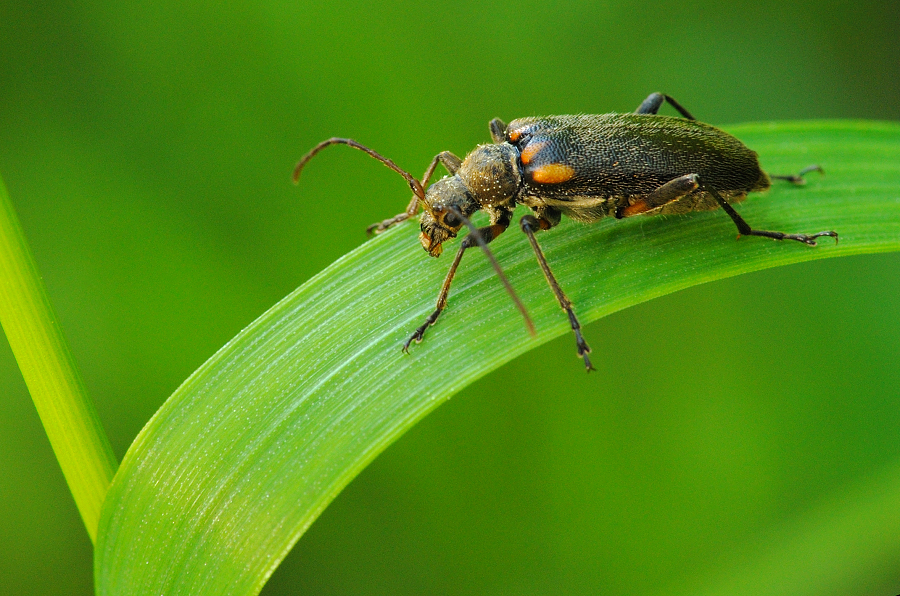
{"points": [[585, 167]]}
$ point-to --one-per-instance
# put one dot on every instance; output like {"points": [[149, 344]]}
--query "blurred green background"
{"points": [[148, 150]]}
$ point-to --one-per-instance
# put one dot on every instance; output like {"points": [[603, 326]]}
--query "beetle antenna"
{"points": [[473, 231], [414, 184]]}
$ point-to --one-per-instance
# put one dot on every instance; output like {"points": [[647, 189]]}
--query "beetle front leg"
{"points": [[487, 233], [530, 225], [450, 161], [411, 210], [744, 228]]}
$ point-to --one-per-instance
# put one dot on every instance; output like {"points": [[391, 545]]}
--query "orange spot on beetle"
{"points": [[530, 151], [514, 135], [635, 209], [552, 173]]}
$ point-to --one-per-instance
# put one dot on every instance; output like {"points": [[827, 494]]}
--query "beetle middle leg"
{"points": [[487, 234], [530, 225], [450, 161], [665, 194]]}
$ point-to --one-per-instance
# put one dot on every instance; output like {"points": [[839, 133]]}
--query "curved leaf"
{"points": [[247, 453], [54, 381]]}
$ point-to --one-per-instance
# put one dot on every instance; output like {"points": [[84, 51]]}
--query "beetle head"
{"points": [[440, 221]]}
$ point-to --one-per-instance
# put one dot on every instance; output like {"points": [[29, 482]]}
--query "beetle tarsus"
{"points": [[798, 178], [383, 225], [744, 228], [583, 348], [420, 332], [809, 239], [588, 367]]}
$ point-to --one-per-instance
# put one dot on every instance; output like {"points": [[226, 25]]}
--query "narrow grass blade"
{"points": [[66, 411], [254, 445]]}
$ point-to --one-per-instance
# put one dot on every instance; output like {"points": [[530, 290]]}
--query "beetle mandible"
{"points": [[585, 167]]}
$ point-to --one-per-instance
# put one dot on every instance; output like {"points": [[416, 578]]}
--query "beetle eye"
{"points": [[452, 220]]}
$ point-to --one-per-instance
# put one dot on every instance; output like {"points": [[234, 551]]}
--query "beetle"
{"points": [[585, 167]]}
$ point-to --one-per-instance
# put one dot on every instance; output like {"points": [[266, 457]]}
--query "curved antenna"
{"points": [[413, 183], [473, 231]]}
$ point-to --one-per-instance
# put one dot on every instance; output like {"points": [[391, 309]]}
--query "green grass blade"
{"points": [[253, 446], [66, 411]]}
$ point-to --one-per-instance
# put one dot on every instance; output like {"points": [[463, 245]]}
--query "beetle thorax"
{"points": [[491, 174]]}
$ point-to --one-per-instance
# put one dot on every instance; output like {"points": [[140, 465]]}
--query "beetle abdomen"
{"points": [[615, 155]]}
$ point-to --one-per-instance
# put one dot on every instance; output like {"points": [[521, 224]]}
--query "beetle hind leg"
{"points": [[655, 101], [744, 228], [798, 178], [530, 225]]}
